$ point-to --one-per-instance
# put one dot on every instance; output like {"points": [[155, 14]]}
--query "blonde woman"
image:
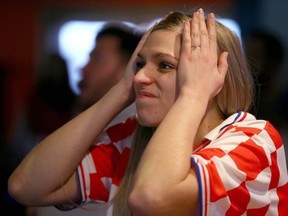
{"points": [[195, 149]]}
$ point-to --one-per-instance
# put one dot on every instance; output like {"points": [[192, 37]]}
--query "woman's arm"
{"points": [[165, 183], [46, 176]]}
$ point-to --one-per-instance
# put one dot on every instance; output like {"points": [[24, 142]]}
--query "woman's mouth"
{"points": [[144, 94]]}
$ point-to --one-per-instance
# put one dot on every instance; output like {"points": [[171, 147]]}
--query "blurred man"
{"points": [[114, 45]]}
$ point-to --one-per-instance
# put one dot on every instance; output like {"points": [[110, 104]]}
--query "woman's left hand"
{"points": [[200, 71]]}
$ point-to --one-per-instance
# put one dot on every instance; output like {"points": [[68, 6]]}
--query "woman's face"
{"points": [[155, 78]]}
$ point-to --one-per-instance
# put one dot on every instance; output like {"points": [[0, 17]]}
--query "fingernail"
{"points": [[211, 15]]}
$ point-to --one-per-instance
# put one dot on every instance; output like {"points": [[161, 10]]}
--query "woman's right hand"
{"points": [[128, 77]]}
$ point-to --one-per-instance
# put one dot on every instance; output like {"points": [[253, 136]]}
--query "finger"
{"points": [[186, 39], [139, 46], [143, 39], [204, 40], [212, 31], [195, 38]]}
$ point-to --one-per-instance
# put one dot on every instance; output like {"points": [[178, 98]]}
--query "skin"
{"points": [[169, 91], [155, 78]]}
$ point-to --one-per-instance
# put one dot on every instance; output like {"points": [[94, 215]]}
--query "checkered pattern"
{"points": [[240, 166], [101, 171], [241, 169]]}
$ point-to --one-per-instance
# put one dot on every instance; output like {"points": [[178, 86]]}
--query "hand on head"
{"points": [[127, 79], [199, 69], [199, 65]]}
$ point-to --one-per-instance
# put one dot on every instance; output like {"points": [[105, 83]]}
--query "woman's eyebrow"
{"points": [[159, 54]]}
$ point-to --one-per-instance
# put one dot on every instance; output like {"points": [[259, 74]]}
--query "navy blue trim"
{"points": [[238, 115], [200, 185], [79, 185], [68, 207]]}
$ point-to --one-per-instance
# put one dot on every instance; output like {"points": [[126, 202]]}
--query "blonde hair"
{"points": [[236, 95]]}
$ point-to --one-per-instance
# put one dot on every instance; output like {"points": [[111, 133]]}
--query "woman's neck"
{"points": [[212, 118]]}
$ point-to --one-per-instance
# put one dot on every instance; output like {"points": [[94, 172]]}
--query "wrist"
{"points": [[191, 96], [123, 92]]}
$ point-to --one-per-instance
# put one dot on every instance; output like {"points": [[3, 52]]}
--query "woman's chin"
{"points": [[147, 121]]}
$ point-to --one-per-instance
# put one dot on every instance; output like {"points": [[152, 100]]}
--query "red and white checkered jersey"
{"points": [[240, 166], [241, 169], [101, 171]]}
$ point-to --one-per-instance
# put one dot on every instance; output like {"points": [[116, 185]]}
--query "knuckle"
{"points": [[195, 34]]}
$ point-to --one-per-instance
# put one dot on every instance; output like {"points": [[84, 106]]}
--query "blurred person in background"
{"points": [[50, 105], [114, 45]]}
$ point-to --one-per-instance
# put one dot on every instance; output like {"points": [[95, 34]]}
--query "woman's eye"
{"points": [[165, 66], [139, 65]]}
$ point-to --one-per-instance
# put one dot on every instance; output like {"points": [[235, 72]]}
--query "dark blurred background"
{"points": [[29, 30]]}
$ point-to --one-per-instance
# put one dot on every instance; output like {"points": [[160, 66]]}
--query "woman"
{"points": [[191, 100]]}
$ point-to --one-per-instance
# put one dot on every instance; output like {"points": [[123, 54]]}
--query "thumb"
{"points": [[223, 63]]}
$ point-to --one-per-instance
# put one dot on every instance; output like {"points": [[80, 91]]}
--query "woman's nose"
{"points": [[143, 76]]}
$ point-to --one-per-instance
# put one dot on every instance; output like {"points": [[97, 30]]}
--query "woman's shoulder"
{"points": [[246, 120], [249, 127]]}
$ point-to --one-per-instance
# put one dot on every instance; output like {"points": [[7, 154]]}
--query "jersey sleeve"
{"points": [[243, 172], [102, 169]]}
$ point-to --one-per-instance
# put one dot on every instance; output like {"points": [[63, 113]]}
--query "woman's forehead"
{"points": [[163, 41]]}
